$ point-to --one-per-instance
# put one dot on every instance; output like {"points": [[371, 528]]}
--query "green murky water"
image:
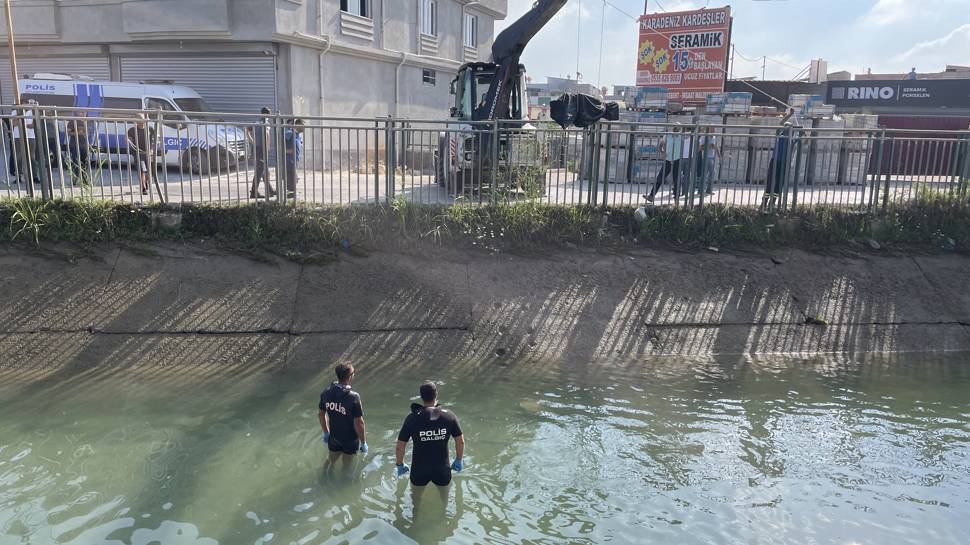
{"points": [[724, 452]]}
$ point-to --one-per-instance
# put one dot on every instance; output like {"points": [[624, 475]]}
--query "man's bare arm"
{"points": [[324, 423], [460, 446], [361, 429]]}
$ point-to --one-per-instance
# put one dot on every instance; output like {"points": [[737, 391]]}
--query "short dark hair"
{"points": [[265, 110], [429, 392], [344, 370]]}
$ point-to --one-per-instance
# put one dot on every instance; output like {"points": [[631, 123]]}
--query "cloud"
{"points": [[956, 42], [888, 12]]}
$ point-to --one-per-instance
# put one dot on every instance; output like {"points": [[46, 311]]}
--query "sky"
{"points": [[884, 35]]}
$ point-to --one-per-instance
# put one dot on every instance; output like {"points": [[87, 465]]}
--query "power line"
{"points": [[617, 8], [768, 58]]}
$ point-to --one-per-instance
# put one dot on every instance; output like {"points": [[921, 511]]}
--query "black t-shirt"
{"points": [[343, 406], [141, 141], [430, 429]]}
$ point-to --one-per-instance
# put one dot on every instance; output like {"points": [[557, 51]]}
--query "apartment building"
{"points": [[361, 58]]}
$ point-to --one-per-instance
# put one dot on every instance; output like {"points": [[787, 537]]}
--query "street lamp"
{"points": [[13, 55]]}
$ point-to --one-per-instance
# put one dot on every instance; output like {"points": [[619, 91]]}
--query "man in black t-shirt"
{"points": [[341, 415], [430, 427]]}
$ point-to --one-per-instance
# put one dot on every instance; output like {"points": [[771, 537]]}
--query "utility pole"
{"points": [[579, 35], [599, 74], [13, 54]]}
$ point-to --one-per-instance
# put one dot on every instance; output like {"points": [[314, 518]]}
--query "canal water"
{"points": [[686, 452]]}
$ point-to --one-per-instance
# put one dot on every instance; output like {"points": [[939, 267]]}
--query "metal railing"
{"points": [[154, 156]]}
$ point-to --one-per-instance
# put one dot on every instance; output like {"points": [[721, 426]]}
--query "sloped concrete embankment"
{"points": [[210, 313]]}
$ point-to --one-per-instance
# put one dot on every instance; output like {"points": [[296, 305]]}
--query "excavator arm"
{"points": [[508, 48]]}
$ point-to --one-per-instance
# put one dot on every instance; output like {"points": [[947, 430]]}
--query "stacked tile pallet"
{"points": [[735, 142], [825, 150], [735, 146], [645, 153], [613, 153], [857, 147]]}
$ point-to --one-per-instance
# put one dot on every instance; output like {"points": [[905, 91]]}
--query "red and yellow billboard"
{"points": [[685, 52]]}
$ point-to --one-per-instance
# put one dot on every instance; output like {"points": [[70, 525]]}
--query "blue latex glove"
{"points": [[402, 469], [457, 466], [326, 438], [363, 448]]}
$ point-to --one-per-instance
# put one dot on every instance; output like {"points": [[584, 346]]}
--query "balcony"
{"points": [[356, 26], [428, 45]]}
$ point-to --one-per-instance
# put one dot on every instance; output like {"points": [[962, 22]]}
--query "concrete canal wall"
{"points": [[213, 312]]}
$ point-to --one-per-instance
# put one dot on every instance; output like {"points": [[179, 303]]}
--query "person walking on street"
{"points": [[78, 145], [709, 156], [10, 149], [778, 165], [342, 416], [671, 149], [261, 150], [45, 132], [430, 427], [141, 146], [24, 141], [293, 144]]}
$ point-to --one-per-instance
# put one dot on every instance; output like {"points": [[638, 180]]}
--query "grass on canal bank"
{"points": [[301, 232]]}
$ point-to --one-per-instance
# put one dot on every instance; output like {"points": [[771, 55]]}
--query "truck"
{"points": [[489, 96]]}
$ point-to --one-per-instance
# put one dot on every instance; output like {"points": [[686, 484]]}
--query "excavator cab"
{"points": [[496, 91], [471, 88]]}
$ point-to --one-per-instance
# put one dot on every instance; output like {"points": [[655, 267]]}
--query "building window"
{"points": [[355, 7], [428, 76], [471, 30], [429, 17]]}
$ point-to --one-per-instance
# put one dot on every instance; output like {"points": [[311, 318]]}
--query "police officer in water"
{"points": [[430, 427], [342, 416]]}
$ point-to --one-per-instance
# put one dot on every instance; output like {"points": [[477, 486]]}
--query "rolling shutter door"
{"points": [[95, 67], [228, 84]]}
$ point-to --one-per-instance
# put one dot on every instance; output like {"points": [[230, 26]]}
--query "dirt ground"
{"points": [[205, 310]]}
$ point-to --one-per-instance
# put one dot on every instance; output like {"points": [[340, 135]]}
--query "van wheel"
{"points": [[196, 161]]}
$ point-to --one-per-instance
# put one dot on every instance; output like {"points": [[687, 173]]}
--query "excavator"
{"points": [[495, 92]]}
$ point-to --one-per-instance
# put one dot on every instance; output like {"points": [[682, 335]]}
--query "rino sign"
{"points": [[953, 94]]}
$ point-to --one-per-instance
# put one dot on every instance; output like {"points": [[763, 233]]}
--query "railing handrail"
{"points": [[279, 118]]}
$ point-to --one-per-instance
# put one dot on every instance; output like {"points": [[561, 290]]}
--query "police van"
{"points": [[195, 143]]}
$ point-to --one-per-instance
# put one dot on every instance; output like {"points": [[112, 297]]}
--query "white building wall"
{"points": [[377, 74]]}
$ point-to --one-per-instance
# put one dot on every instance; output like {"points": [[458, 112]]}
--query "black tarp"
{"points": [[577, 109]]}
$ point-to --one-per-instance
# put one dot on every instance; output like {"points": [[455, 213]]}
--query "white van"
{"points": [[199, 144]]}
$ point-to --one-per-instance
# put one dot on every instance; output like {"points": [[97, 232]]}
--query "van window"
{"points": [[122, 103], [192, 105], [171, 116], [49, 100], [159, 104]]}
